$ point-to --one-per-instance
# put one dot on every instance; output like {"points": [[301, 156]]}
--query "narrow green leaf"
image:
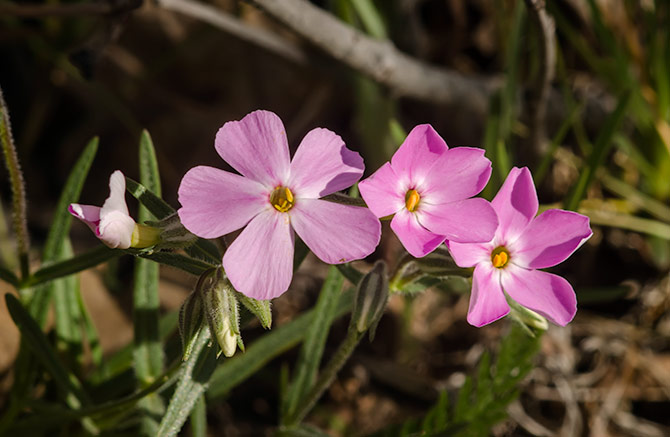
{"points": [[72, 265], [237, 369], [193, 383], [148, 352], [60, 227], [370, 17], [629, 222], [9, 277], [601, 147], [631, 194], [68, 317], [38, 343], [91, 332], [199, 418], [185, 263], [315, 341]]}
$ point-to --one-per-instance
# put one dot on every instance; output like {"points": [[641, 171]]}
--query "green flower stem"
{"points": [[327, 375], [18, 188]]}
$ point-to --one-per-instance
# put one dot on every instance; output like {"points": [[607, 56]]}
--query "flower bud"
{"points": [[370, 301], [190, 322], [221, 310]]}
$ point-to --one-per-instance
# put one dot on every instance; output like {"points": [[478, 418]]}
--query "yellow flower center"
{"points": [[500, 257], [412, 199], [282, 199]]}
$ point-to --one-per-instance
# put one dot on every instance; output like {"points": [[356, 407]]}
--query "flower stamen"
{"points": [[500, 257], [282, 199], [412, 199]]}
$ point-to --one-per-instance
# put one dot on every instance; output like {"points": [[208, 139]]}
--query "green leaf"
{"points": [[199, 418], [38, 343], [192, 384], [72, 265], [237, 369], [69, 320], [185, 263], [148, 351], [9, 277], [315, 341], [600, 148]]}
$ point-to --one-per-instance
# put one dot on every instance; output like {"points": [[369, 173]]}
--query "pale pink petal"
{"points": [[256, 146], [465, 221], [417, 240], [383, 192], [516, 203], [550, 295], [323, 165], [469, 254], [335, 233], [259, 263], [116, 229], [88, 214], [551, 238], [460, 173], [418, 153], [216, 202], [487, 300], [117, 195]]}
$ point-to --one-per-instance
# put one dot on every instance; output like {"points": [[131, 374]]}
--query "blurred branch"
{"points": [[67, 10], [224, 21], [537, 104], [379, 59]]}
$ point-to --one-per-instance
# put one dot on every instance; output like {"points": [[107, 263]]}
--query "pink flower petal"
{"points": [[216, 202], [116, 229], [417, 240], [335, 233], [88, 214], [469, 254], [323, 165], [465, 221], [550, 295], [551, 238], [259, 263], [418, 153], [460, 173], [516, 204], [256, 146], [383, 192], [117, 195], [487, 300]]}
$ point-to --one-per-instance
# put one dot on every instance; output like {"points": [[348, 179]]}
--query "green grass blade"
{"points": [[148, 353], [237, 369], [38, 343], [370, 18], [315, 341], [602, 145], [68, 317], [658, 209], [9, 277], [60, 227], [185, 263], [199, 418], [193, 383], [628, 222], [73, 265]]}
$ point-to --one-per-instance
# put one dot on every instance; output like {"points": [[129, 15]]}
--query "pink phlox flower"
{"points": [[428, 187], [111, 224], [522, 244], [273, 196]]}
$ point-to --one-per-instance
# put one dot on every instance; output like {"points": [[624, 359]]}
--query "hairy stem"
{"points": [[18, 188]]}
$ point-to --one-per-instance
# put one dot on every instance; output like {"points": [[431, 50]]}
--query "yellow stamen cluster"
{"points": [[500, 257], [412, 199], [282, 199]]}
